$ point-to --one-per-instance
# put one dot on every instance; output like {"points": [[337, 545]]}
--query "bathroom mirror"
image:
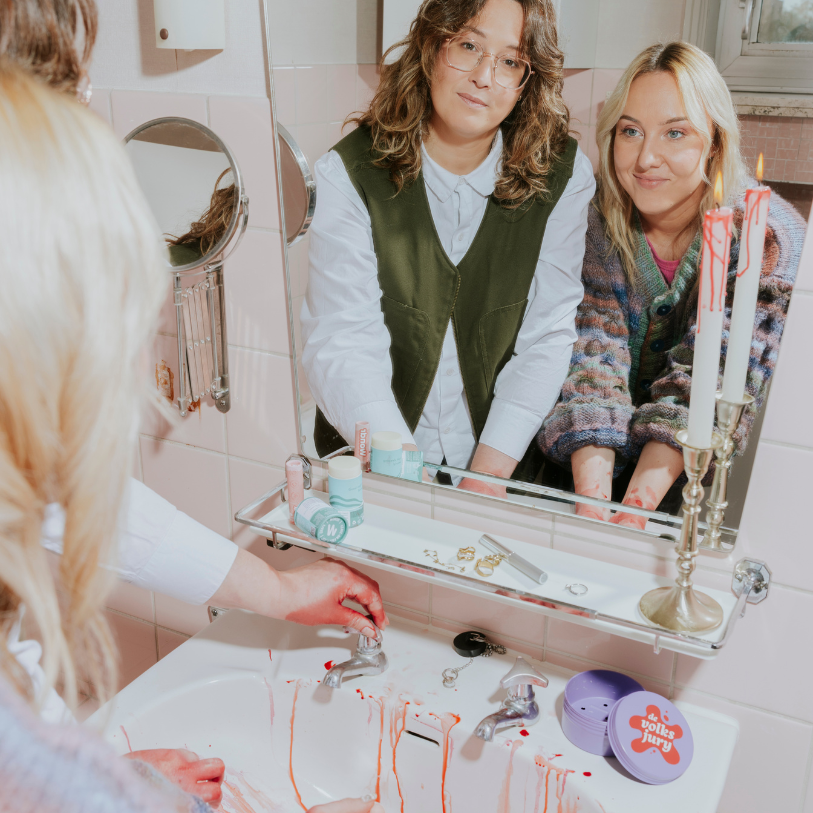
{"points": [[325, 69], [193, 185]]}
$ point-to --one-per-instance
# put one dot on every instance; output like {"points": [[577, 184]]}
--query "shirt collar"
{"points": [[482, 180]]}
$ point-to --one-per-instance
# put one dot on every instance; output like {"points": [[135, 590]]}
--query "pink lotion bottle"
{"points": [[295, 478]]}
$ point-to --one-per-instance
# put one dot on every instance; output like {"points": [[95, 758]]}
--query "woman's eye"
{"points": [[510, 63], [469, 46], [674, 135], [630, 131]]}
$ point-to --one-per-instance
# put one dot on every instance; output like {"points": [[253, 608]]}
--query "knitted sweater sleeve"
{"points": [[595, 407], [47, 768], [668, 412]]}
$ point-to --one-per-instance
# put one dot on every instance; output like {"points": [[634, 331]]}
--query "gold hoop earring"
{"points": [[481, 563], [466, 554]]}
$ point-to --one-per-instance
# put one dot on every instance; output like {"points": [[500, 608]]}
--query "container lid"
{"points": [[650, 737], [344, 468], [386, 441]]}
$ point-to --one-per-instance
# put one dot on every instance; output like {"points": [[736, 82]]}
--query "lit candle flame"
{"points": [[718, 190], [759, 168]]}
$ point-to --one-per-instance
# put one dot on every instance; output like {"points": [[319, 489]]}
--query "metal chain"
{"points": [[450, 674]]}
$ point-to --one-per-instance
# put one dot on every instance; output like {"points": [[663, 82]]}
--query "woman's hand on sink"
{"points": [[201, 777], [313, 594], [348, 806]]}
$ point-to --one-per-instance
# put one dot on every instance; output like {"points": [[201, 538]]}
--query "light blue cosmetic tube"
{"points": [[321, 521], [386, 453], [344, 485]]}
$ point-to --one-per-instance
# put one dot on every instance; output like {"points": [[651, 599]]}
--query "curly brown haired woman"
{"points": [[447, 242]]}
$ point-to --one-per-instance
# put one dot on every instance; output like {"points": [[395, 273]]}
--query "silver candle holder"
{"points": [[682, 608], [729, 414]]}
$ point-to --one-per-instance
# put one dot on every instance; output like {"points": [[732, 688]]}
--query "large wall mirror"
{"points": [[325, 58]]}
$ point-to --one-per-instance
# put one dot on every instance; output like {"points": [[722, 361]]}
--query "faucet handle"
{"points": [[365, 642], [522, 673]]}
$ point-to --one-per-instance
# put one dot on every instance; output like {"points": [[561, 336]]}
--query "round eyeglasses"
{"points": [[464, 54]]}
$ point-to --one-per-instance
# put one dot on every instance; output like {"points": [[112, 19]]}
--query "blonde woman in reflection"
{"points": [[83, 278], [663, 136]]}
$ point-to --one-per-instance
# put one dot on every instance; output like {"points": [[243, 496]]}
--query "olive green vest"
{"points": [[484, 295]]}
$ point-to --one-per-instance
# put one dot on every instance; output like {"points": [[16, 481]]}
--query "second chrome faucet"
{"points": [[519, 708]]}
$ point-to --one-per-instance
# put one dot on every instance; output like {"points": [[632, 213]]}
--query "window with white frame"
{"points": [[761, 46]]}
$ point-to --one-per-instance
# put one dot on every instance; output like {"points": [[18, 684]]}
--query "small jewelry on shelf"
{"points": [[489, 563], [433, 555], [466, 554], [576, 589]]}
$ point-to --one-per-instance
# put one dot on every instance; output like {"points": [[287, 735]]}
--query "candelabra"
{"points": [[682, 608], [729, 414]]}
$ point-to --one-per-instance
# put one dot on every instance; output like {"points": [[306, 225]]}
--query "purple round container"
{"points": [[589, 699], [650, 738]]}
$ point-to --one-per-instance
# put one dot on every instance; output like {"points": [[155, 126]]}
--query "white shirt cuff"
{"points": [[383, 416], [510, 428]]}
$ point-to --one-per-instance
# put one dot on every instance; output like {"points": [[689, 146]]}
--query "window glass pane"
{"points": [[786, 21]]}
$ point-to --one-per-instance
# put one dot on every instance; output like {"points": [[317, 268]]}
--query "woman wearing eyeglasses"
{"points": [[447, 243]]}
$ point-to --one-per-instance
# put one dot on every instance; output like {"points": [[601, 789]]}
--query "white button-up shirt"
{"points": [[346, 342]]}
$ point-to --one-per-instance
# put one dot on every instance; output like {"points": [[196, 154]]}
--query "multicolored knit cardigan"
{"points": [[630, 372]]}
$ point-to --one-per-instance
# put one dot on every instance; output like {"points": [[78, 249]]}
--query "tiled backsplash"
{"points": [[210, 465]]}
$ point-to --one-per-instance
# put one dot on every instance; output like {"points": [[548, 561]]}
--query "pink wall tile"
{"points": [[418, 508], [341, 91], [135, 642], [100, 104], [777, 678], [191, 479], [575, 665], [311, 94], [463, 608], [578, 94], [532, 650], [206, 427], [619, 653], [132, 600], [312, 140], [285, 94], [777, 510], [366, 84], [604, 82], [788, 413], [167, 641], [245, 125], [262, 423], [177, 615], [256, 298], [770, 761], [247, 481], [400, 612], [400, 590], [134, 107]]}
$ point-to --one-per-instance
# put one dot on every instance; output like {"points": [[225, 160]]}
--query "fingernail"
{"points": [[368, 631]]}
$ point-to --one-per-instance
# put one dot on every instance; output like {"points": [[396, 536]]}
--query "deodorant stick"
{"points": [[362, 447], [295, 478], [344, 485], [386, 453]]}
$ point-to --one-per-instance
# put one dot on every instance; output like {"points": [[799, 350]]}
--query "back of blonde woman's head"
{"points": [[81, 283], [705, 97]]}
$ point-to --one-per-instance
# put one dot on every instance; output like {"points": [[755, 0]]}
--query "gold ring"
{"points": [[466, 554], [484, 563], [494, 559]]}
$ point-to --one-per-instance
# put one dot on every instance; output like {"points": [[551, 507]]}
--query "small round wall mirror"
{"points": [[193, 185], [298, 187]]}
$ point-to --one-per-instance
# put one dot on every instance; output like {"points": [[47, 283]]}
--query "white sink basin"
{"points": [[247, 689]]}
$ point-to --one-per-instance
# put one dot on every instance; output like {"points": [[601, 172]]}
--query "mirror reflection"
{"points": [[478, 287], [188, 181]]}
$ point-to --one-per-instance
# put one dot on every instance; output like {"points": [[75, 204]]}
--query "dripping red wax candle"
{"points": [[749, 267], [717, 227]]}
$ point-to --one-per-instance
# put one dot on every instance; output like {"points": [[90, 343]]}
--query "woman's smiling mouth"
{"points": [[649, 181], [472, 101]]}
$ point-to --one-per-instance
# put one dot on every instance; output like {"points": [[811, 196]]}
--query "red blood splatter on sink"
{"points": [[126, 738], [524, 733], [447, 722], [328, 664], [587, 773], [269, 655]]}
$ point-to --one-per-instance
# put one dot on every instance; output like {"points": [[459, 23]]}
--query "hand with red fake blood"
{"points": [[201, 777], [313, 594], [481, 487], [348, 806], [593, 477]]}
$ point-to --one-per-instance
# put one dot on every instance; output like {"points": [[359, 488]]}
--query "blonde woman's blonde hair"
{"points": [[82, 279], [705, 96]]}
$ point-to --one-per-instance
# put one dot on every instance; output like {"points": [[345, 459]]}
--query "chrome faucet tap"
{"points": [[369, 659], [519, 708]]}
